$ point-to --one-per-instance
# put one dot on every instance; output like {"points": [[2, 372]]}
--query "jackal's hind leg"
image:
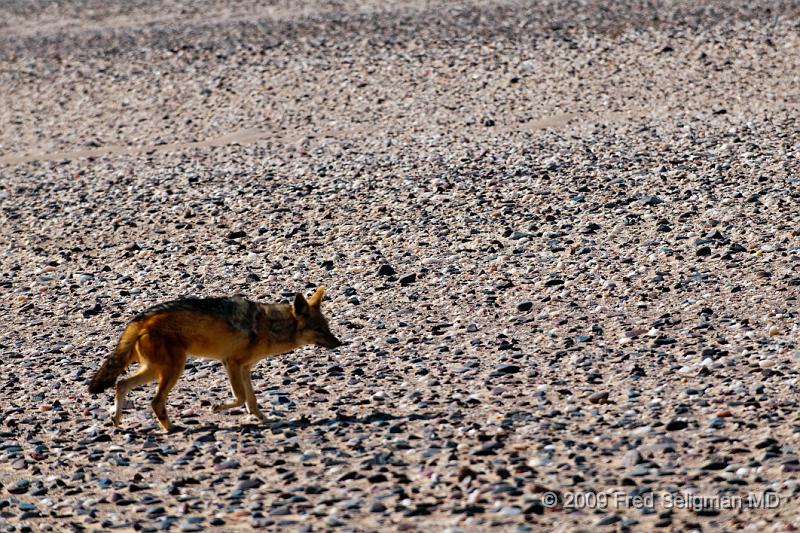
{"points": [[166, 382], [250, 396], [237, 387], [142, 376]]}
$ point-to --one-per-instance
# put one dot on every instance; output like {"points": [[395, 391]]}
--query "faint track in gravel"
{"points": [[251, 135]]}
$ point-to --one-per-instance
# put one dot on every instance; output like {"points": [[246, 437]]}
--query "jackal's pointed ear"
{"points": [[300, 304], [316, 298]]}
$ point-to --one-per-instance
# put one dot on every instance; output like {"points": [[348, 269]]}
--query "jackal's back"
{"points": [[240, 313]]}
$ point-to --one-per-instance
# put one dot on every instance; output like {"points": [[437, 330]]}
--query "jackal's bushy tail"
{"points": [[116, 363]]}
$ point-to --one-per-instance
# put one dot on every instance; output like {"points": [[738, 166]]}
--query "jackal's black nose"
{"points": [[333, 342]]}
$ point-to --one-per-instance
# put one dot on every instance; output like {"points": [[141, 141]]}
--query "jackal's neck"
{"points": [[280, 323]]}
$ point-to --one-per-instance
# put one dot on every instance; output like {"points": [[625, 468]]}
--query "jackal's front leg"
{"points": [[250, 396], [235, 372]]}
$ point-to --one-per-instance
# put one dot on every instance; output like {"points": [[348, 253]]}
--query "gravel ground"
{"points": [[590, 211]]}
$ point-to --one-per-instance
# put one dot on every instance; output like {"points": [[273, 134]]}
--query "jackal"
{"points": [[234, 330]]}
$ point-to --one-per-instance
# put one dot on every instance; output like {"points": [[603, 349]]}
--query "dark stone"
{"points": [[608, 520], [592, 227], [599, 397], [715, 462], [409, 279], [386, 270], [677, 424], [505, 370], [19, 487], [92, 311], [653, 200]]}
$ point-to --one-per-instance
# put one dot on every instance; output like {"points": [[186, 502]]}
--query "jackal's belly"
{"points": [[209, 347]]}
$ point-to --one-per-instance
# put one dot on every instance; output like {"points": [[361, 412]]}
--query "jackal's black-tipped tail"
{"points": [[116, 363]]}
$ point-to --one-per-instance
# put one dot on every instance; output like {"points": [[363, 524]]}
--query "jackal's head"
{"points": [[312, 327]]}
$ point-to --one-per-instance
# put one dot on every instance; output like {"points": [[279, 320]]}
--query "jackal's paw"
{"points": [[116, 420], [219, 407], [258, 415]]}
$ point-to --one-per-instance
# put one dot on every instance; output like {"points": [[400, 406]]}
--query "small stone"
{"points": [[386, 270], [652, 200], [505, 370], [608, 520], [379, 396], [631, 458], [553, 282], [599, 397], [238, 234], [677, 424], [703, 251], [592, 227], [715, 462], [377, 507], [774, 331], [92, 311], [524, 306], [19, 487], [634, 333], [251, 483], [409, 279]]}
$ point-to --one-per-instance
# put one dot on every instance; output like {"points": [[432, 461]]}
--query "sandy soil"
{"points": [[591, 209]]}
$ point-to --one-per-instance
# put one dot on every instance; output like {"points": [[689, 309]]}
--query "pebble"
{"points": [[631, 458], [524, 306], [677, 424], [599, 397], [506, 369], [408, 279], [386, 270]]}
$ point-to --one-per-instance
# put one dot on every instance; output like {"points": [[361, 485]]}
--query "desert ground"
{"points": [[561, 243]]}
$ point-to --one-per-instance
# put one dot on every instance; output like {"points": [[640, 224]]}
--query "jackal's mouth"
{"points": [[330, 342]]}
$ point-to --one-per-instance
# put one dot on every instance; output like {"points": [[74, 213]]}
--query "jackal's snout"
{"points": [[329, 341]]}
